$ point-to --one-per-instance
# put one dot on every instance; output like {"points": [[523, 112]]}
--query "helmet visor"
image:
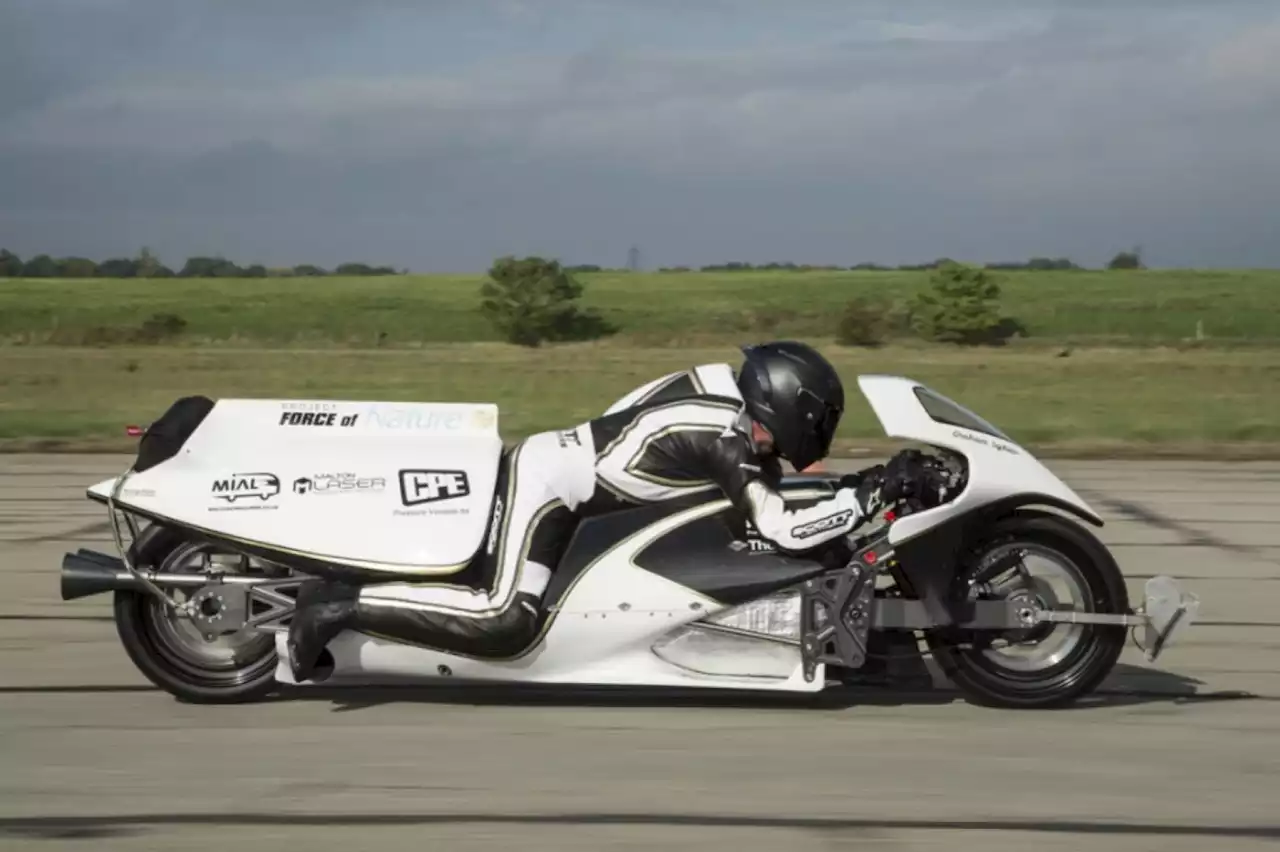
{"points": [[821, 419]]}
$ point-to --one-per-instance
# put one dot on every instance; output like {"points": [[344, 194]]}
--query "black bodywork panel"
{"points": [[165, 437], [700, 554]]}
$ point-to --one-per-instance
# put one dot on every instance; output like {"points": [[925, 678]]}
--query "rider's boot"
{"points": [[323, 611]]}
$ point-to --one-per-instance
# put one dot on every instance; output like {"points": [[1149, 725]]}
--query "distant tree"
{"points": [[118, 267], [531, 300], [40, 266], [307, 269], [862, 323], [1126, 260], [364, 269], [961, 306], [257, 270], [198, 267], [210, 267], [10, 264], [1036, 264], [146, 264], [77, 267]]}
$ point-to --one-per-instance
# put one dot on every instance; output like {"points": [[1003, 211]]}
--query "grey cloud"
{"points": [[796, 104], [1060, 131]]}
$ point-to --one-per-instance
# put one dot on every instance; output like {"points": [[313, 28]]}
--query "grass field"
{"points": [[1112, 308], [1144, 402], [1107, 368]]}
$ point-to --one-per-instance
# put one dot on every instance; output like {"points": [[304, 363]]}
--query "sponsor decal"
{"points": [[755, 545], [821, 525], [295, 405], [495, 525], [137, 492], [405, 418], [429, 486], [317, 418], [339, 483], [245, 491], [985, 441], [754, 542], [567, 437], [412, 418]]}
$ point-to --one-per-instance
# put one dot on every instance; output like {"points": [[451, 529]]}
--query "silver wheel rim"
{"points": [[186, 645], [1061, 586]]}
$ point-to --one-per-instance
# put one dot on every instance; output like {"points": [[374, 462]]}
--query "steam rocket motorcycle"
{"points": [[230, 505]]}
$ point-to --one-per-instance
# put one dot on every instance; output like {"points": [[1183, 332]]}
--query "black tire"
{"points": [[140, 623], [1092, 657]]}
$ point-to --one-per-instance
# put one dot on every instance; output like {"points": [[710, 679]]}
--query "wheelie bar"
{"points": [[840, 608]]}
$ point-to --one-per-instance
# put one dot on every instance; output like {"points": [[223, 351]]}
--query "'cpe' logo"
{"points": [[429, 486]]}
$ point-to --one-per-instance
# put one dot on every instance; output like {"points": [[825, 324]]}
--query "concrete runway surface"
{"points": [[1185, 756]]}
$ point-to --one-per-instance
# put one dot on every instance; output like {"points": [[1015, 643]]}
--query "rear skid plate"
{"points": [[839, 609]]}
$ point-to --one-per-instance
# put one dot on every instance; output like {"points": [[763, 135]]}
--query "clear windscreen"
{"points": [[942, 410]]}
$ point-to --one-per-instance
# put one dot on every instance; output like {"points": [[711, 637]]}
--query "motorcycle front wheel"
{"points": [[1047, 665]]}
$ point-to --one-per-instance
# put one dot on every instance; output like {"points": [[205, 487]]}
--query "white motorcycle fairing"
{"points": [[998, 469], [401, 488], [673, 594], [623, 624]]}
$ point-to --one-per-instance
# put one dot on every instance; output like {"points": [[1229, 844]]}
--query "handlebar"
{"points": [[944, 478], [941, 484]]}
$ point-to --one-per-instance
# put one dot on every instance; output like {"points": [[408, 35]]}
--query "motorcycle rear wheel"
{"points": [[1063, 677], [171, 652]]}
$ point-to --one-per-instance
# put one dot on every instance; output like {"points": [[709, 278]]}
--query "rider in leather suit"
{"points": [[697, 430]]}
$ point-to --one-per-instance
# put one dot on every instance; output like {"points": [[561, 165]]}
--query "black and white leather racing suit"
{"points": [[683, 433]]}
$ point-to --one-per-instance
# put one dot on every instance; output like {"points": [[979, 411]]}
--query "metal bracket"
{"points": [[185, 609], [243, 603], [279, 606], [1072, 616], [836, 611]]}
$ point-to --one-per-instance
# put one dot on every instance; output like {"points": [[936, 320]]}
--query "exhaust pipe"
{"points": [[88, 572]]}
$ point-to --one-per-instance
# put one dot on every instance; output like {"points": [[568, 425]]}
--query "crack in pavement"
{"points": [[78, 532], [63, 827], [1191, 536]]}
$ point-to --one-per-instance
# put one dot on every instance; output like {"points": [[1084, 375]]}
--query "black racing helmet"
{"points": [[795, 393]]}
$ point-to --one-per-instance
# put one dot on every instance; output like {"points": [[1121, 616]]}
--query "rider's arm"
{"points": [[739, 471]]}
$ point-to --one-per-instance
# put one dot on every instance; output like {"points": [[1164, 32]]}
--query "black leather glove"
{"points": [[907, 476], [854, 480], [866, 485]]}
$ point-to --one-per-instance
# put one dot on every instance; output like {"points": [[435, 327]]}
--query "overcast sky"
{"points": [[437, 135]]}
